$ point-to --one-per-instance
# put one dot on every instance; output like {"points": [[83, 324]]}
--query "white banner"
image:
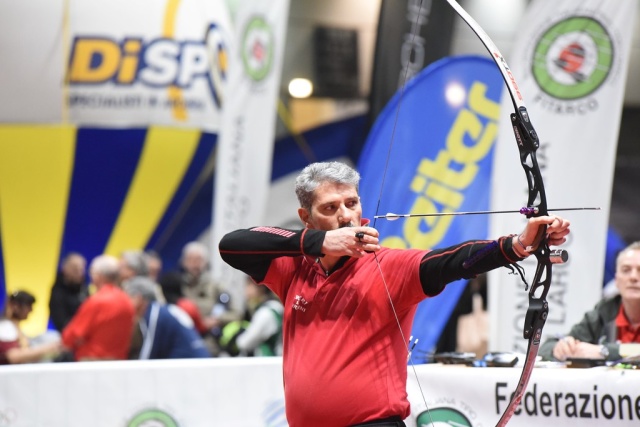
{"points": [[477, 397], [245, 150], [248, 392], [115, 63], [570, 61], [241, 392]]}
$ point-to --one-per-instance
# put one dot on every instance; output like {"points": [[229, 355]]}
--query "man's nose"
{"points": [[345, 213]]}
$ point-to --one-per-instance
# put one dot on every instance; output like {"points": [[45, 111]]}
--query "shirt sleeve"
{"points": [[464, 261], [56, 309], [252, 250], [76, 331]]}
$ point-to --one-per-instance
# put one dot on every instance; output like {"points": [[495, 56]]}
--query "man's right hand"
{"points": [[345, 241]]}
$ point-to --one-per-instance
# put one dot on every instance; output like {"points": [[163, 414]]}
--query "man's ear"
{"points": [[304, 216]]}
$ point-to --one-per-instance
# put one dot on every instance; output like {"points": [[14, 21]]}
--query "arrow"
{"points": [[524, 211]]}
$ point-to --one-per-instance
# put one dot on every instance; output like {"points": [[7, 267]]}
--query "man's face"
{"points": [[334, 206], [194, 263], [20, 311], [139, 304], [96, 277], [628, 275], [155, 267], [125, 271], [74, 269]]}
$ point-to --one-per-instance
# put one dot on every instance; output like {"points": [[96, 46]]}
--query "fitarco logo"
{"points": [[257, 48], [152, 418], [443, 417], [573, 58]]}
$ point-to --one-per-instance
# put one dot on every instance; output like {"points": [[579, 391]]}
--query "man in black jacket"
{"points": [[69, 290]]}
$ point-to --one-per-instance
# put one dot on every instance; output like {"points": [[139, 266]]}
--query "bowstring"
{"points": [[384, 176]]}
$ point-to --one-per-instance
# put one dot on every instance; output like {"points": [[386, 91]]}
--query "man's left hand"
{"points": [[557, 230]]}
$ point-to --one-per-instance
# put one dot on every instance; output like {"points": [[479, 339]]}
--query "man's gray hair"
{"points": [[317, 173], [635, 246], [107, 266], [142, 286], [136, 261], [197, 248]]}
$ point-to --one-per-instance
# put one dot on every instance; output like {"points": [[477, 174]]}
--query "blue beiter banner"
{"points": [[432, 146]]}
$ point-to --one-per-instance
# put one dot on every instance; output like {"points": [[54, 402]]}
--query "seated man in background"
{"points": [[69, 290], [614, 322], [167, 331], [14, 345], [102, 327]]}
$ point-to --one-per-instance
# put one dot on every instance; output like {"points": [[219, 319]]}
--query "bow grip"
{"points": [[535, 319]]}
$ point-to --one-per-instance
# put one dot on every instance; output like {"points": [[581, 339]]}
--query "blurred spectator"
{"points": [[136, 263], [613, 323], [197, 284], [154, 264], [133, 263], [213, 303], [14, 345], [167, 331], [102, 327], [172, 290], [261, 333], [69, 290]]}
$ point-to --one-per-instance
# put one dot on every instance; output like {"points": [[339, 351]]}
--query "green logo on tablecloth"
{"points": [[443, 417], [152, 418]]}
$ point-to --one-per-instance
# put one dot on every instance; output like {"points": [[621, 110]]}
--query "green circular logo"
{"points": [[152, 418], [573, 58], [257, 48], [443, 417]]}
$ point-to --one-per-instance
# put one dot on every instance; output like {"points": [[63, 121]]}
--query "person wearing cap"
{"points": [[102, 327], [167, 331], [14, 345]]}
